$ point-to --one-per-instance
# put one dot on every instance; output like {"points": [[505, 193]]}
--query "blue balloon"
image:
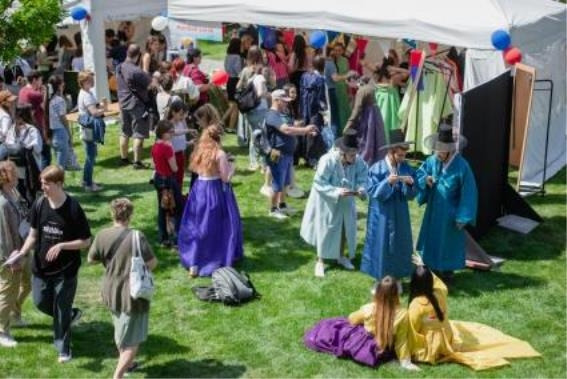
{"points": [[501, 39], [317, 39], [79, 13]]}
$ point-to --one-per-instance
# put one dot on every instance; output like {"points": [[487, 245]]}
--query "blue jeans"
{"points": [[60, 143], [255, 119], [90, 156], [161, 183]]}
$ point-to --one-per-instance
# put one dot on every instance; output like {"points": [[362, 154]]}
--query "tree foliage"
{"points": [[26, 24]]}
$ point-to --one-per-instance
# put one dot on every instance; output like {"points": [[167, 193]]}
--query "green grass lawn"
{"points": [[189, 338]]}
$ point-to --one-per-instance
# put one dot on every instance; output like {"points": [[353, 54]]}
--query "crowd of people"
{"points": [[306, 108]]}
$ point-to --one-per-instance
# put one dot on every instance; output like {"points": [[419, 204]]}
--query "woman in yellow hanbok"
{"points": [[432, 338]]}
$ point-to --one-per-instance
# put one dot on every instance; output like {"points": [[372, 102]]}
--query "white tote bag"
{"points": [[141, 280]]}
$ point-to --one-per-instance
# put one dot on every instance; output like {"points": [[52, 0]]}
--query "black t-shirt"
{"points": [[64, 224], [283, 142]]}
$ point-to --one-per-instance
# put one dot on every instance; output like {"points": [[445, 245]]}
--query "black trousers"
{"points": [[54, 296]]}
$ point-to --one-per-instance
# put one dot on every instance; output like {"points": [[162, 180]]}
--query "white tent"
{"points": [[92, 31], [537, 27]]}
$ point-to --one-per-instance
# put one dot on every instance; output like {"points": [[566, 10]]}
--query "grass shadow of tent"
{"points": [[475, 283]]}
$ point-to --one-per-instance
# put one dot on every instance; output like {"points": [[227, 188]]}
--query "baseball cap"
{"points": [[280, 94]]}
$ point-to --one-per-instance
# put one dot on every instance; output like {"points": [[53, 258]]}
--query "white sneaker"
{"points": [[345, 262], [267, 191], [320, 269], [64, 358], [6, 340], [295, 192], [278, 214], [253, 167], [94, 188], [289, 211]]}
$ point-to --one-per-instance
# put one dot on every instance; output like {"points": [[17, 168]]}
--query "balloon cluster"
{"points": [[501, 41]]}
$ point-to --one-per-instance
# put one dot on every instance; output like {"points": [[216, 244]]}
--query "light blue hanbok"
{"points": [[389, 246], [327, 215], [452, 200]]}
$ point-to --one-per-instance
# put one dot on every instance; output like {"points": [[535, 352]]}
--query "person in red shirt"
{"points": [[170, 201], [35, 94]]}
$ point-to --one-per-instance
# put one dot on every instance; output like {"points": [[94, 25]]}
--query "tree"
{"points": [[26, 24]]}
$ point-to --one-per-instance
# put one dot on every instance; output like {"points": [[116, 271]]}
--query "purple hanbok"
{"points": [[210, 235], [336, 336]]}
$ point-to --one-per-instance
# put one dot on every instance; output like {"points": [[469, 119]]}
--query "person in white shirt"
{"points": [[58, 124], [7, 102]]}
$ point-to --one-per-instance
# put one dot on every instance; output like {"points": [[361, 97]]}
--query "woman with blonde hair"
{"points": [[370, 334], [210, 235]]}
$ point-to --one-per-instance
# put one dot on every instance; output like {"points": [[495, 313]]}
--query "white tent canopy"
{"points": [[92, 31], [537, 27]]}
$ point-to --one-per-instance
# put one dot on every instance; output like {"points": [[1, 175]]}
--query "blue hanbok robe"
{"points": [[453, 199], [326, 213], [389, 246]]}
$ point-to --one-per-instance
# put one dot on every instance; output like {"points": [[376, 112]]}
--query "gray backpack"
{"points": [[229, 287]]}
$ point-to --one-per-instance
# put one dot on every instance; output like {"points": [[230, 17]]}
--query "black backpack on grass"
{"points": [[229, 287]]}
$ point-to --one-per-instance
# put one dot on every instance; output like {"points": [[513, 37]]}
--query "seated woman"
{"points": [[113, 248], [432, 338], [369, 336], [210, 235]]}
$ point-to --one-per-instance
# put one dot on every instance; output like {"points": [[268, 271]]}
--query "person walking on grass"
{"points": [[113, 248], [59, 230], [15, 283], [329, 221]]}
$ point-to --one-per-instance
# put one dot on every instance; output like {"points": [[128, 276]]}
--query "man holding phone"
{"points": [[329, 221]]}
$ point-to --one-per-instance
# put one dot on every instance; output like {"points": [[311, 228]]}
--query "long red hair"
{"points": [[177, 68], [204, 157]]}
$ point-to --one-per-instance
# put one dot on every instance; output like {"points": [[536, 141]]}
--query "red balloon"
{"points": [[220, 78], [512, 55], [433, 47]]}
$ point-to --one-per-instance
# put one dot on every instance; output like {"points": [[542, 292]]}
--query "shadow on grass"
{"points": [[105, 347], [546, 242], [476, 283], [272, 245], [205, 368]]}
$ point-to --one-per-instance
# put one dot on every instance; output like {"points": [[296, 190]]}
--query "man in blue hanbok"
{"points": [[391, 184], [330, 215], [447, 185]]}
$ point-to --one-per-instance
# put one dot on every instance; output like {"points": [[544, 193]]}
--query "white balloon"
{"points": [[159, 23]]}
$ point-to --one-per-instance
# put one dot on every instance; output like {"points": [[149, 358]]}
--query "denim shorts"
{"points": [[281, 172]]}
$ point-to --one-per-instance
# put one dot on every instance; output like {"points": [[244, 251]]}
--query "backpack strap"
{"points": [[256, 293]]}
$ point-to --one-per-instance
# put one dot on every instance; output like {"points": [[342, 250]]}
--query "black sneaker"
{"points": [[140, 166], [125, 162], [77, 314]]}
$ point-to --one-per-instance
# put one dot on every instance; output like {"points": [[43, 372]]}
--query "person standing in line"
{"points": [[448, 187], [329, 221], [391, 184], [59, 230], [113, 248]]}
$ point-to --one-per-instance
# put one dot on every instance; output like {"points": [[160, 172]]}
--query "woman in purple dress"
{"points": [[367, 336], [210, 235]]}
